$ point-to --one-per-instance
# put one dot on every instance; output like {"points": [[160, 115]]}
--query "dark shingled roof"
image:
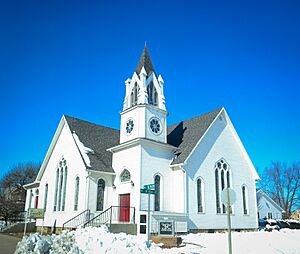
{"points": [[183, 135], [186, 134], [98, 138], [145, 61]]}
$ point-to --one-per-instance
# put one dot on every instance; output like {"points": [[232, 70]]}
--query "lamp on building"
{"points": [[132, 183], [114, 186]]}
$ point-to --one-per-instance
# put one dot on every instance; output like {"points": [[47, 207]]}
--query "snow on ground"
{"points": [[285, 241], [99, 240]]}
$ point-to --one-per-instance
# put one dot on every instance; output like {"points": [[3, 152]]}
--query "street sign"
{"points": [[36, 213], [149, 186], [232, 197], [148, 191]]}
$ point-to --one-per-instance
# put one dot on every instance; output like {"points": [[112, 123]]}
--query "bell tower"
{"points": [[144, 110]]}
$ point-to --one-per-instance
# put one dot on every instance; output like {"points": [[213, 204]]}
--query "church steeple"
{"points": [[144, 110], [145, 61], [144, 87]]}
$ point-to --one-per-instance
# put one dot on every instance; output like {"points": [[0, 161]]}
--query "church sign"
{"points": [[35, 213], [166, 228]]}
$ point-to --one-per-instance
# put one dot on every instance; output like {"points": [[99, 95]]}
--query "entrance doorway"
{"points": [[124, 208]]}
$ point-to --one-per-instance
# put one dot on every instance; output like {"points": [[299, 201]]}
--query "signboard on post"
{"points": [[166, 228], [36, 213]]}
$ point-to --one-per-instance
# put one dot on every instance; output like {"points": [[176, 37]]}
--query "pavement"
{"points": [[8, 244]]}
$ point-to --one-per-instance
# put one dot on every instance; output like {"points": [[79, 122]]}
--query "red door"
{"points": [[124, 207], [36, 201]]}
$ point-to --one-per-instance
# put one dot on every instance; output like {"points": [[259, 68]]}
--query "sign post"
{"points": [[148, 189], [228, 199], [34, 213], [25, 225]]}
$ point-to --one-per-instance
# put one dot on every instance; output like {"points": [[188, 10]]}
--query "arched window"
{"points": [[222, 188], [65, 187], [56, 190], [125, 176], [134, 95], [222, 180], [200, 195], [45, 196], [228, 179], [60, 186], [152, 94], [60, 189], [217, 191], [157, 195], [76, 193], [100, 194], [244, 196]]}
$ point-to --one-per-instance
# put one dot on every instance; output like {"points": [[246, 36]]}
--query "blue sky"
{"points": [[60, 57]]}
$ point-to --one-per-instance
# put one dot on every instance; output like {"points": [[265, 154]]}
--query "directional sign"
{"points": [[149, 186], [148, 191]]}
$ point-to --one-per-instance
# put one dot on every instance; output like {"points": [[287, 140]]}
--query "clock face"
{"points": [[129, 125], [155, 125]]}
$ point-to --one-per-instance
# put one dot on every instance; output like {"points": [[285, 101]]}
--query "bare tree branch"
{"points": [[282, 183]]}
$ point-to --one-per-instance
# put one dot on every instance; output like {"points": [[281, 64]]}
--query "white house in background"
{"points": [[90, 167], [267, 207]]}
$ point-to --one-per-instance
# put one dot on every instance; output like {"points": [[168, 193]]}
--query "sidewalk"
{"points": [[8, 244]]}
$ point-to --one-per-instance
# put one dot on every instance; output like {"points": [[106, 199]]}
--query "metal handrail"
{"points": [[78, 220], [113, 214]]}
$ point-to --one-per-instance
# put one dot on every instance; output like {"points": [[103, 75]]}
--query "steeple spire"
{"points": [[145, 61]]}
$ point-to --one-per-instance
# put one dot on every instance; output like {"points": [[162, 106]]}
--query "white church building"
{"points": [[92, 174]]}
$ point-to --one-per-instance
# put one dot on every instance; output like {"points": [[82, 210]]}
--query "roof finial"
{"points": [[145, 44]]}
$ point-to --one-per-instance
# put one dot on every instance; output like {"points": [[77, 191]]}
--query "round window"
{"points": [[155, 126], [129, 126]]}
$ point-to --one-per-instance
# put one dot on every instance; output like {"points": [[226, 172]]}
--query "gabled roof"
{"points": [[186, 134], [260, 193], [145, 61], [183, 135], [97, 138]]}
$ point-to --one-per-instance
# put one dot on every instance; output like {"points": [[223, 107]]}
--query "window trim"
{"points": [[160, 124], [104, 191], [245, 203], [46, 190], [221, 181], [76, 193], [202, 195], [160, 192], [125, 169]]}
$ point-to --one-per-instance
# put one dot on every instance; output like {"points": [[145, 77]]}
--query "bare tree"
{"points": [[12, 192], [282, 183]]}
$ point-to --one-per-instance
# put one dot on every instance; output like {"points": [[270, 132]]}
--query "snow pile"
{"points": [[100, 241], [83, 149], [87, 241], [44, 244]]}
